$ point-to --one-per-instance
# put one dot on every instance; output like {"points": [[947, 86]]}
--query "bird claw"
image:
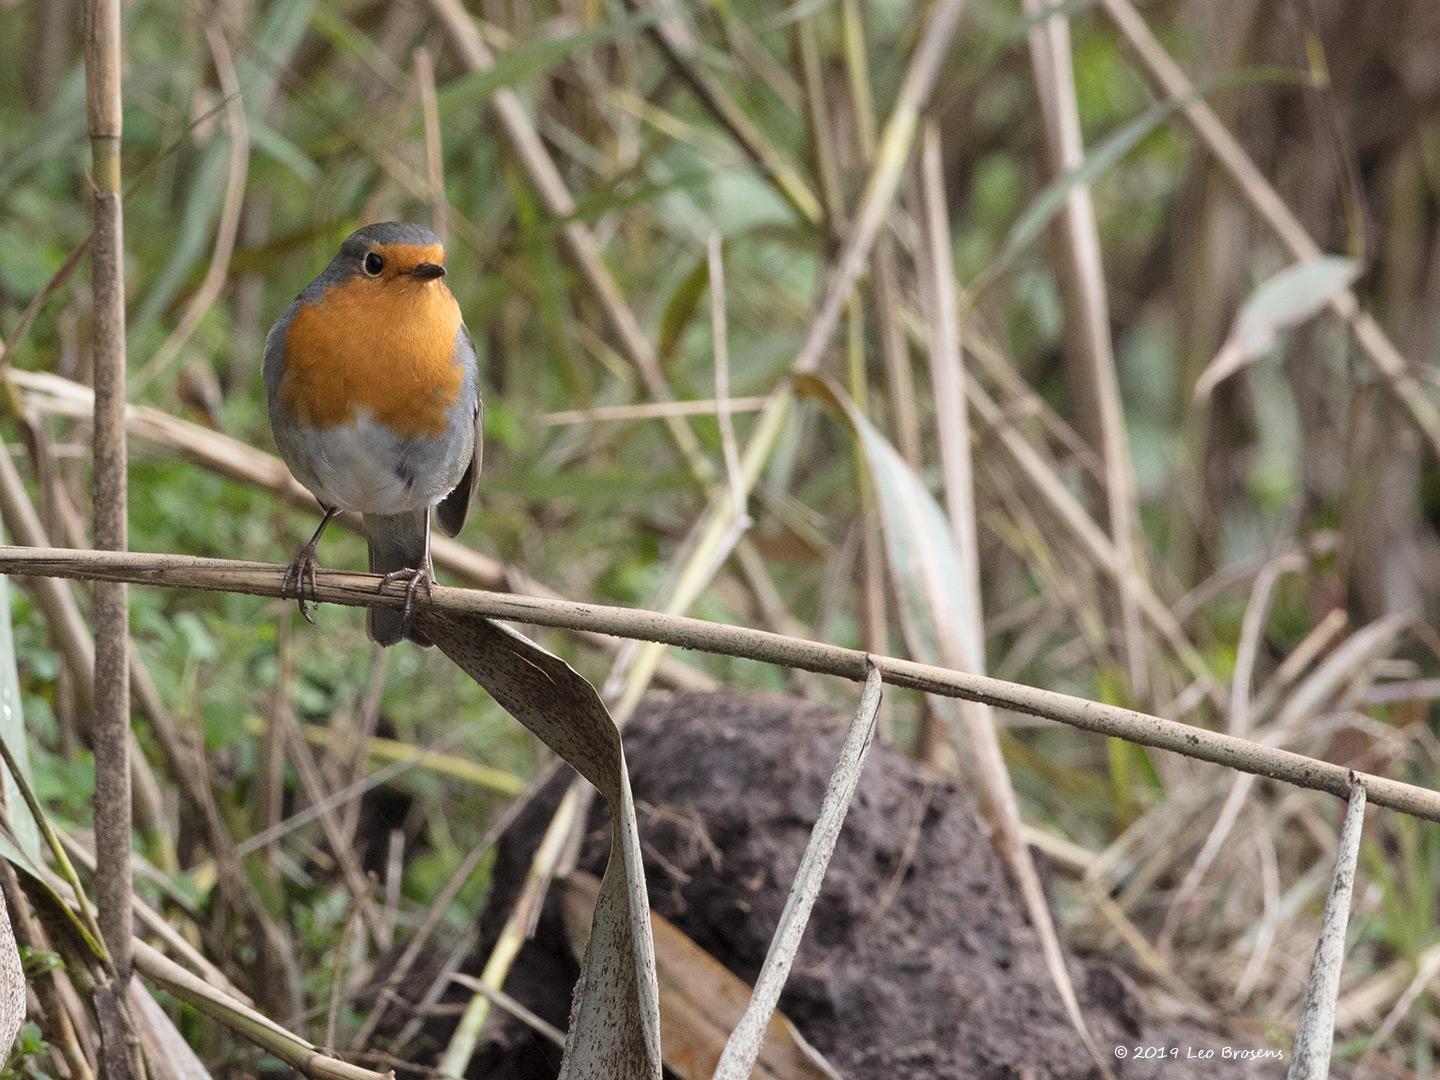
{"points": [[416, 578], [300, 576]]}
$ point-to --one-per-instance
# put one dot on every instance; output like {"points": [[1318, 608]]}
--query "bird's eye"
{"points": [[374, 264]]}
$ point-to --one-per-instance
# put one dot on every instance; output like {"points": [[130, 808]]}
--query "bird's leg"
{"points": [[300, 574], [416, 578]]}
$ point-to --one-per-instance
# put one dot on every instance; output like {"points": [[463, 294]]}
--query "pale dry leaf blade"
{"points": [[167, 1055], [12, 984], [701, 1001], [12, 730], [928, 571], [1315, 1034], [1292, 297], [925, 565], [615, 1026], [743, 1047]]}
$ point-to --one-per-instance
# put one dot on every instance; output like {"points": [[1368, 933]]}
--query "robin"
{"points": [[372, 383]]}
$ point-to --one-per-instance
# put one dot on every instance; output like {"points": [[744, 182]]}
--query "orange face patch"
{"points": [[385, 345]]}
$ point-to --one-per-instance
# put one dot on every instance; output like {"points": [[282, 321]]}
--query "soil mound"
{"points": [[918, 962]]}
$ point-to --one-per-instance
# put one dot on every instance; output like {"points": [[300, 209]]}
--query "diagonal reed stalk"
{"points": [[1171, 81], [975, 719]]}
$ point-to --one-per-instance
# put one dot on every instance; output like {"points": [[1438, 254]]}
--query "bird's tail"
{"points": [[397, 542]]}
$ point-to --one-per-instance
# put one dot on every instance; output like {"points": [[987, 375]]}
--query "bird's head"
{"points": [[392, 255]]}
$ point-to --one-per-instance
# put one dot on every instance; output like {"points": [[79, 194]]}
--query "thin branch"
{"points": [[368, 590], [245, 1021], [112, 634]]}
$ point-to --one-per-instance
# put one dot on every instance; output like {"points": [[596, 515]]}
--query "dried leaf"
{"points": [[929, 577], [167, 1055], [615, 1024], [1293, 296], [1315, 1034], [701, 1001]]}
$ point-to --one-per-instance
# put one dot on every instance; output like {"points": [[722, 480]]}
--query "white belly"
{"points": [[364, 467]]}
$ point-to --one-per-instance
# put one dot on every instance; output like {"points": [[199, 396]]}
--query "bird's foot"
{"points": [[415, 578], [300, 577]]}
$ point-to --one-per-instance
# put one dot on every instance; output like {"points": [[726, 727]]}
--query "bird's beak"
{"points": [[428, 271]]}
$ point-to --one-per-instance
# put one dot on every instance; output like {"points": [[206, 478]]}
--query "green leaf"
{"points": [[532, 59], [682, 305]]}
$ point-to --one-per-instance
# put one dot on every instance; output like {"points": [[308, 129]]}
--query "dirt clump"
{"points": [[918, 962]]}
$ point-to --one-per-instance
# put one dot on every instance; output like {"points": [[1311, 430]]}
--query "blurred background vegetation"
{"points": [[258, 133]]}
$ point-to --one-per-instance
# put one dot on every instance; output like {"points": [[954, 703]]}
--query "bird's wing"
{"points": [[452, 511]]}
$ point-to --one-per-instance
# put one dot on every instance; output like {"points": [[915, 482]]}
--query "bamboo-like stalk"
{"points": [[1082, 280], [245, 1021], [368, 590], [976, 719], [112, 641]]}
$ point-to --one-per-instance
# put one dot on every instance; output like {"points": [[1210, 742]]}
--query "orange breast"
{"points": [[385, 347]]}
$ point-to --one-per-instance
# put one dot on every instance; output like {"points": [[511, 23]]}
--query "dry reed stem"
{"points": [[953, 428], [303, 1056], [650, 410], [112, 637], [434, 156], [1082, 280], [367, 590]]}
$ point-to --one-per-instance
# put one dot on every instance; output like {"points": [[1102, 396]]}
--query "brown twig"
{"points": [[112, 636], [369, 590]]}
